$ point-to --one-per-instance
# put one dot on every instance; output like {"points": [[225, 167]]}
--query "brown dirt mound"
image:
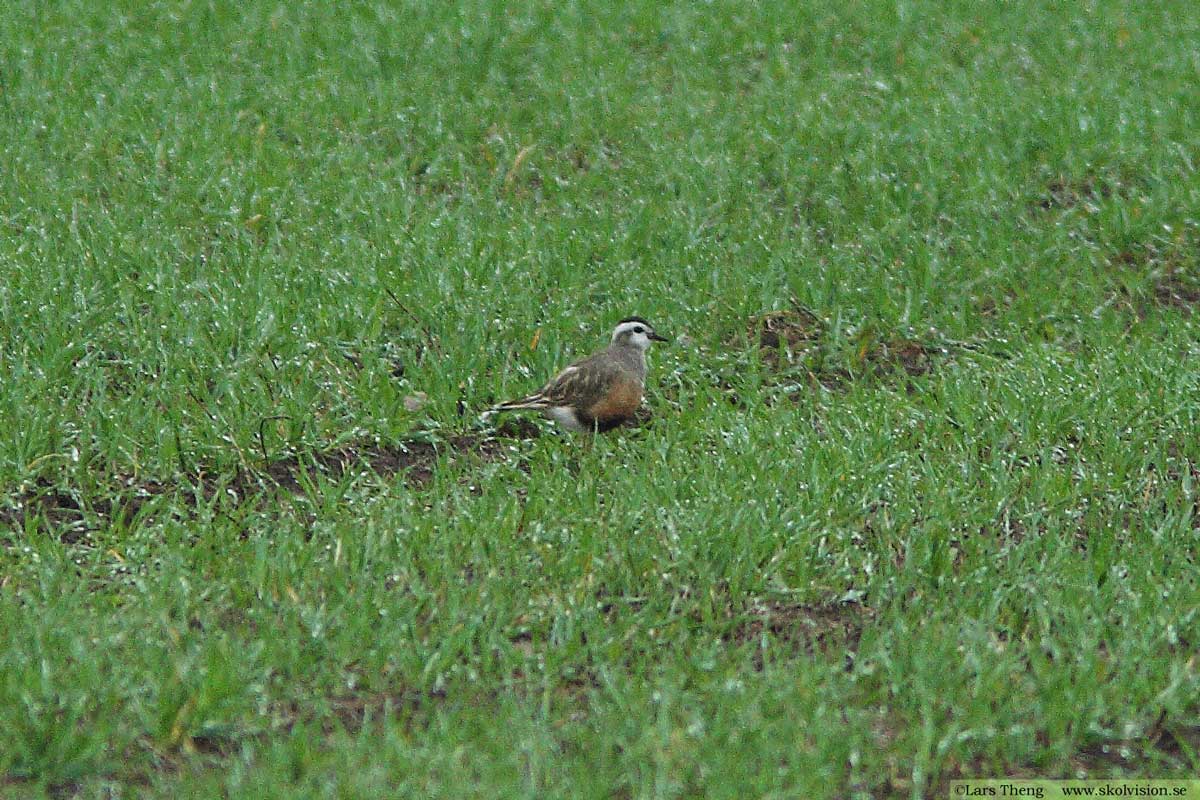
{"points": [[794, 330]]}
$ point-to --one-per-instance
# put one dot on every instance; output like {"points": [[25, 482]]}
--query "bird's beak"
{"points": [[657, 337]]}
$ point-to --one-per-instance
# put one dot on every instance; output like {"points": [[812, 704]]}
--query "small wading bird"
{"points": [[601, 391]]}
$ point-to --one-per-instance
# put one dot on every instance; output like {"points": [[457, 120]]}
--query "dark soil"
{"points": [[1170, 269], [1065, 192], [796, 337], [72, 514], [803, 628], [793, 331]]}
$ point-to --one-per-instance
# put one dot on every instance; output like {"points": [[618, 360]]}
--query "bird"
{"points": [[599, 392]]}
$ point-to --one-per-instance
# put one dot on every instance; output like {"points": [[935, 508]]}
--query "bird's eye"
{"points": [[639, 329]]}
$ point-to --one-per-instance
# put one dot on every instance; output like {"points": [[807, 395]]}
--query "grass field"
{"points": [[916, 498]]}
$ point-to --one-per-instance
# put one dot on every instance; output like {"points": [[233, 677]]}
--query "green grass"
{"points": [[815, 573]]}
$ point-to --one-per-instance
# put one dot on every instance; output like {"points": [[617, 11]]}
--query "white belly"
{"points": [[565, 416]]}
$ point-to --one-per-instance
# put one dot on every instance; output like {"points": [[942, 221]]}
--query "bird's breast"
{"points": [[618, 403]]}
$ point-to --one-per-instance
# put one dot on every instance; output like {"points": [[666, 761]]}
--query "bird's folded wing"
{"points": [[583, 383]]}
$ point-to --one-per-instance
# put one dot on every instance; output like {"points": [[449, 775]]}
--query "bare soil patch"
{"points": [[1178, 291], [1171, 269], [1064, 192], [797, 340], [795, 330], [802, 628], [908, 355], [74, 513], [416, 459]]}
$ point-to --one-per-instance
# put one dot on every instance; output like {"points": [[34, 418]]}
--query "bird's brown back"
{"points": [[597, 382]]}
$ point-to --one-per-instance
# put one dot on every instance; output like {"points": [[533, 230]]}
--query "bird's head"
{"points": [[636, 332]]}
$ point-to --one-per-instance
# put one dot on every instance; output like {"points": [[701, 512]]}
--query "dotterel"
{"points": [[599, 392]]}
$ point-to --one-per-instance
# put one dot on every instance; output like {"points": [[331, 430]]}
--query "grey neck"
{"points": [[631, 357]]}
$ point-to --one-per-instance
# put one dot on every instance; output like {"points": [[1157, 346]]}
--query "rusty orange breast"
{"points": [[619, 403]]}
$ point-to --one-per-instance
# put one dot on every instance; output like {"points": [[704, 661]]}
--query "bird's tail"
{"points": [[534, 401]]}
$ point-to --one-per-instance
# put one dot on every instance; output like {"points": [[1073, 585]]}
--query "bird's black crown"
{"points": [[635, 319]]}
